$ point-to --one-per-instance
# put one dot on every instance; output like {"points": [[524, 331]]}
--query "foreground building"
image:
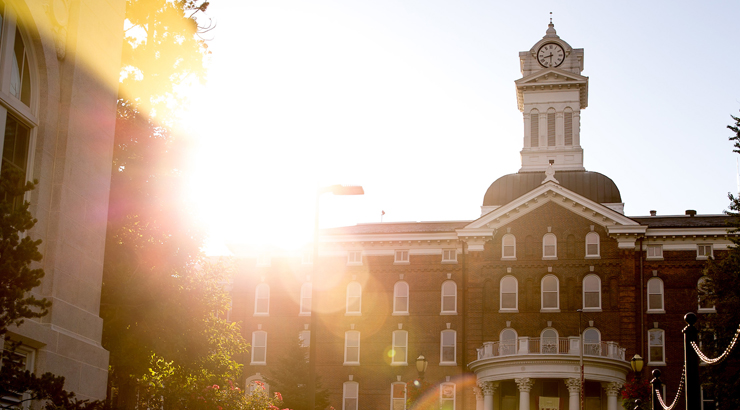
{"points": [[59, 68], [506, 307]]}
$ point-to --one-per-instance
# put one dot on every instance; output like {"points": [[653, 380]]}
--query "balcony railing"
{"points": [[560, 346]]}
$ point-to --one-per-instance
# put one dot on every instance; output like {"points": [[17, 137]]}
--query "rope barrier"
{"points": [[678, 393], [719, 358]]}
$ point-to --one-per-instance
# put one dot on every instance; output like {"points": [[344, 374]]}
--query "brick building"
{"points": [[497, 305]]}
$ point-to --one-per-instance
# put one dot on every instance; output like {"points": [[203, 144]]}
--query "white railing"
{"points": [[562, 345]]}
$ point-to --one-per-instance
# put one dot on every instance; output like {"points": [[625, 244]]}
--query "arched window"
{"points": [[655, 295], [592, 292], [255, 382], [704, 305], [306, 297], [449, 297], [354, 299], [509, 293], [592, 342], [593, 247], [448, 348], [656, 343], [398, 396], [17, 82], [447, 396], [549, 246], [568, 126], [262, 300], [259, 347], [399, 354], [549, 341], [350, 395], [508, 247], [507, 342], [551, 127], [401, 298], [351, 347], [534, 129], [550, 293]]}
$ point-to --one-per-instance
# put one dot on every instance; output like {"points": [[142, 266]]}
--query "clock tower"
{"points": [[551, 94]]}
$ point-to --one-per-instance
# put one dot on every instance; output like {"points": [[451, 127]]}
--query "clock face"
{"points": [[550, 55]]}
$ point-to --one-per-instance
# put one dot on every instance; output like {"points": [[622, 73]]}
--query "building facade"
{"points": [[539, 303], [59, 68]]}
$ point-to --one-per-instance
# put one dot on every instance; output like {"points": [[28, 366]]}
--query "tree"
{"points": [[290, 376], [17, 251], [722, 290]]}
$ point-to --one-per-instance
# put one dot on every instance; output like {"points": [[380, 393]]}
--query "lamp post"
{"points": [[335, 190], [583, 376], [421, 366]]}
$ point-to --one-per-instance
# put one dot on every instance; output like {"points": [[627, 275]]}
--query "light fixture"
{"points": [[636, 363], [421, 365]]}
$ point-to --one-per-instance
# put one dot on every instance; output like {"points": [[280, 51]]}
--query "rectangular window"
{"points": [[306, 296], [400, 348], [305, 338], [352, 348], [656, 343], [448, 347], [398, 396], [350, 396], [550, 129], [259, 347], [22, 357], [447, 396], [401, 257], [354, 258], [449, 255], [703, 251], [655, 251]]}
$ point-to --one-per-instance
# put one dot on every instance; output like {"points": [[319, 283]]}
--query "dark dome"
{"points": [[594, 186]]}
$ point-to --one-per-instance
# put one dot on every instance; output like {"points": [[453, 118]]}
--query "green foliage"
{"points": [[417, 393], [722, 288], [290, 376], [636, 388], [16, 254]]}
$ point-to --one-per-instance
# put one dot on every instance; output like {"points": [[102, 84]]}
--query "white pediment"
{"points": [[551, 75], [546, 193]]}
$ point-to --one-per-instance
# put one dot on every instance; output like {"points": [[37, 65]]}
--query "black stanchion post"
{"points": [[691, 360], [657, 386]]}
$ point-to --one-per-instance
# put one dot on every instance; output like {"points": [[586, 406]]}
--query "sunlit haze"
{"points": [[415, 101]]}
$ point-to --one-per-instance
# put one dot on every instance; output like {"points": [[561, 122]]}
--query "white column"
{"points": [[612, 390], [488, 389], [525, 385], [574, 390], [478, 398]]}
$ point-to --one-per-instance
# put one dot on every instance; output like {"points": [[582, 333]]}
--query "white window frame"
{"points": [[354, 258], [593, 238], [256, 345], [305, 337], [654, 252], [306, 299], [351, 341], [401, 257], [28, 356], [549, 237], [400, 341], [507, 346], [395, 399], [509, 278], [449, 255], [442, 347], [448, 290], [557, 294], [442, 397], [266, 298], [350, 390], [400, 291], [555, 340], [351, 287], [704, 251], [587, 289], [652, 362], [650, 291], [699, 293], [592, 349], [508, 241]]}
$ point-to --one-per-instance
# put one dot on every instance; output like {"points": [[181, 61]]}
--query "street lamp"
{"points": [[636, 364], [421, 366], [335, 190], [580, 334]]}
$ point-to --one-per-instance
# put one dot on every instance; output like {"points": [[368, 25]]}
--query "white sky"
{"points": [[415, 101]]}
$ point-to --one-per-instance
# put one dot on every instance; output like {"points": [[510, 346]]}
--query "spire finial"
{"points": [[550, 17]]}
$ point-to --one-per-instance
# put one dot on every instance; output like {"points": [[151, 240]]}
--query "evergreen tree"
{"points": [[290, 376], [723, 289]]}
